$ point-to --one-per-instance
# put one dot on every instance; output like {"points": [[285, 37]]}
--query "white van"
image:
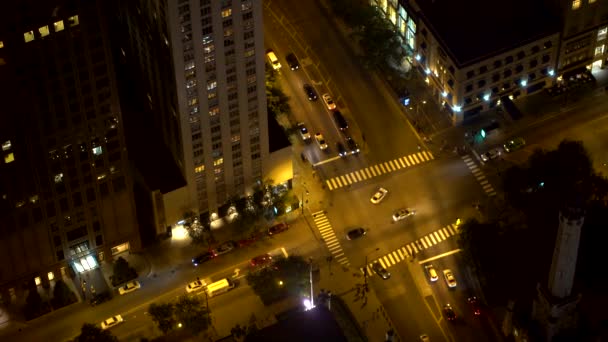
{"points": [[219, 287], [274, 61]]}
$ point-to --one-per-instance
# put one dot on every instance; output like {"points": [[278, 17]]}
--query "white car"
{"points": [[491, 154], [129, 287], [321, 141], [111, 322], [329, 102], [379, 195], [304, 133], [195, 286], [449, 278], [402, 214]]}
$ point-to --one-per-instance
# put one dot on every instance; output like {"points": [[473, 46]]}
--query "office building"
{"points": [[218, 52]]}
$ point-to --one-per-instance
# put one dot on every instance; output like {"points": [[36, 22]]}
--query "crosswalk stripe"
{"points": [[424, 244], [412, 161], [401, 162], [439, 239], [371, 168], [447, 232], [434, 242], [338, 182], [396, 256], [390, 257], [350, 181], [440, 232], [382, 263], [416, 158], [356, 176], [343, 180], [414, 248], [455, 227], [431, 157], [421, 156], [388, 167], [409, 250], [378, 169], [394, 166], [400, 254], [329, 184], [396, 162], [381, 169], [333, 184], [361, 174], [407, 162], [367, 172], [405, 252], [488, 187]]}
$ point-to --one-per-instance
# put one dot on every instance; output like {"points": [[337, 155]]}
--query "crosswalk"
{"points": [[379, 169], [328, 235], [481, 178], [414, 247]]}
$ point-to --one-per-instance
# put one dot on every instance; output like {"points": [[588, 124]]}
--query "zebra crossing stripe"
{"points": [[329, 184], [394, 164], [343, 180], [373, 171], [400, 254], [356, 176], [405, 252], [350, 181], [388, 167], [407, 161], [433, 239], [421, 156], [401, 162], [428, 241], [338, 182], [382, 169], [368, 172], [382, 263], [390, 257], [431, 157], [414, 248], [416, 158], [424, 243], [443, 237], [412, 160]]}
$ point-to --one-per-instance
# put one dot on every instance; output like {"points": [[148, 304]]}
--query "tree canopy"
{"points": [[93, 333], [286, 277], [187, 312]]}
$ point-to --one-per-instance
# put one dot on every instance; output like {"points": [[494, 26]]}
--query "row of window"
{"points": [[508, 60], [506, 73], [45, 31]]}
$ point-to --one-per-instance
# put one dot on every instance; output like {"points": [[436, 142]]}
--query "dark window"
{"points": [[470, 74], [497, 64], [60, 255], [103, 189], [63, 204], [451, 83], [468, 88], [57, 240], [90, 195], [506, 86], [533, 63], [483, 69], [547, 44], [423, 45], [467, 100], [50, 209], [423, 32], [481, 83], [96, 226], [509, 60], [451, 69], [495, 77], [76, 233], [495, 90], [119, 184], [519, 68], [24, 220], [535, 49], [37, 214], [98, 240], [507, 73], [546, 58], [521, 55]]}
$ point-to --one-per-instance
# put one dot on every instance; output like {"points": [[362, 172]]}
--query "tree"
{"points": [[62, 295], [192, 313], [286, 277], [122, 272], [197, 232], [92, 333], [33, 303], [162, 315]]}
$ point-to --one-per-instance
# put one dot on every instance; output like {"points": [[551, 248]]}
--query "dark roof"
{"points": [[317, 324], [277, 139], [472, 29]]}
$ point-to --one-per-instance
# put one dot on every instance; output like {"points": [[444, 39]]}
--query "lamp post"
{"points": [[365, 267]]}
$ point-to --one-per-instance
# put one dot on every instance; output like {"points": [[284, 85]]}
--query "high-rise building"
{"points": [[71, 190], [218, 52]]}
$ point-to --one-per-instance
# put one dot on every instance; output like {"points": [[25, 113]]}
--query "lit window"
{"points": [[101, 176], [28, 36], [576, 4], [236, 138], [58, 25], [59, 178], [599, 50], [20, 204], [601, 33], [6, 145], [9, 158], [211, 85], [245, 6], [34, 198], [97, 150], [218, 161], [73, 21], [218, 170], [591, 1], [214, 111], [1, 44], [44, 31], [209, 48], [193, 101], [249, 53], [38, 281], [227, 12], [211, 95], [189, 65], [50, 275], [199, 169]]}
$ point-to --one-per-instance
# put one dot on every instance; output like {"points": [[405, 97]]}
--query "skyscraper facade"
{"points": [[218, 52]]}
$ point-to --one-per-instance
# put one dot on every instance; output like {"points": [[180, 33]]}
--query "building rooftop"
{"points": [[277, 139], [474, 29]]}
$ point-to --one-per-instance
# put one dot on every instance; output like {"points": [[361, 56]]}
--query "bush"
{"points": [[62, 295], [122, 272]]}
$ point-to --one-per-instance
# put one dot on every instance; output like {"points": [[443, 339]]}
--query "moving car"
{"points": [[224, 248], [514, 144], [379, 195], [219, 287], [449, 278], [111, 322], [449, 313], [274, 61], [292, 61], [321, 141], [303, 131], [310, 92], [402, 214], [201, 258], [340, 120], [261, 260], [129, 287], [101, 297], [329, 102], [278, 228], [491, 154], [352, 145], [195, 286], [475, 307], [341, 150], [381, 271], [432, 273], [355, 233]]}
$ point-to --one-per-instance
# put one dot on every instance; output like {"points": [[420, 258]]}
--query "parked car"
{"points": [[111, 322], [514, 144], [201, 258], [310, 92], [261, 260], [491, 154], [321, 141], [449, 313], [278, 228], [340, 120], [224, 248], [341, 149], [402, 214], [379, 195], [352, 145], [432, 273], [251, 239], [129, 287], [475, 307], [329, 102], [292, 61], [304, 133], [274, 61], [101, 297], [355, 233], [449, 278], [381, 271], [195, 286]]}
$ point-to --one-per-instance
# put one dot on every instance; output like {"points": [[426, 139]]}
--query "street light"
{"points": [[365, 267]]}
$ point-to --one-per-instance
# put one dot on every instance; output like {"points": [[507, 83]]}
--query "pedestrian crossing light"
{"points": [[483, 134]]}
